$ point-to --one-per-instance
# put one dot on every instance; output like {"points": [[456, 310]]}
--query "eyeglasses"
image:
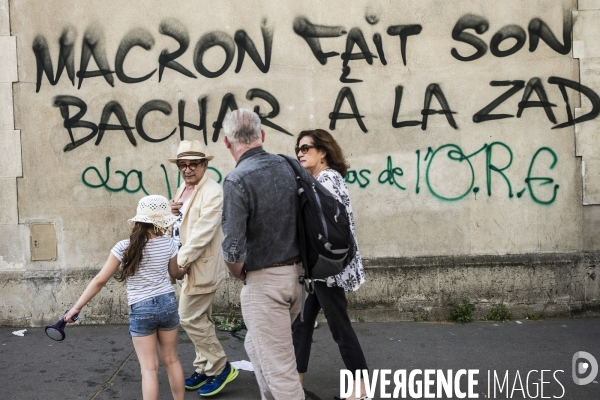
{"points": [[191, 166], [304, 148]]}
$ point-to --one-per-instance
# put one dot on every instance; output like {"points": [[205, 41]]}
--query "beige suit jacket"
{"points": [[201, 237]]}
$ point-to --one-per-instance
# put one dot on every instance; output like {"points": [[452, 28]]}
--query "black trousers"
{"points": [[335, 306]]}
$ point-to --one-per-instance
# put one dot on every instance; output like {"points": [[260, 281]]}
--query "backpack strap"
{"points": [[304, 279]]}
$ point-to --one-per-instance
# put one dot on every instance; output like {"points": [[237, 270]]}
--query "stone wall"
{"points": [[470, 128]]}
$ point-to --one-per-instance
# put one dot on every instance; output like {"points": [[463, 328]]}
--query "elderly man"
{"points": [[260, 248], [199, 203]]}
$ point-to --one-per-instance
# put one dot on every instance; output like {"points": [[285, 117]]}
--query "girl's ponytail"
{"points": [[132, 257]]}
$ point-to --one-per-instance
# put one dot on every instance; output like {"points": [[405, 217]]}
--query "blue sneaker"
{"points": [[215, 384], [195, 381]]}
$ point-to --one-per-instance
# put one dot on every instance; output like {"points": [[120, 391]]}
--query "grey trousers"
{"points": [[271, 300]]}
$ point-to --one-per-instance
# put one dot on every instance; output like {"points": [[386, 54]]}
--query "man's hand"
{"points": [[175, 206], [237, 270]]}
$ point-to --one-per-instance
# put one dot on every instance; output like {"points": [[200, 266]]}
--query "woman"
{"points": [[321, 155]]}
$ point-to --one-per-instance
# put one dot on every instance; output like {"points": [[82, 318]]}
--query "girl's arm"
{"points": [[175, 271], [97, 283]]}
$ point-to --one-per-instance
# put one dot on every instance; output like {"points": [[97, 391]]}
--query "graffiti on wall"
{"points": [[93, 46], [93, 178], [391, 175], [451, 155], [522, 95]]}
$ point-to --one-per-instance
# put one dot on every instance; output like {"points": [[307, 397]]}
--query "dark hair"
{"points": [[132, 257], [322, 140]]}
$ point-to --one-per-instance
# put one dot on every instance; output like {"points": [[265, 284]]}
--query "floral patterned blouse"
{"points": [[177, 225], [353, 275]]}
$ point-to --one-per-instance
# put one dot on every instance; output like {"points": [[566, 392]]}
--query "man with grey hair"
{"points": [[260, 248], [242, 126]]}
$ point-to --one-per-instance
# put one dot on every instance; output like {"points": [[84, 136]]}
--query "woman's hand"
{"points": [[71, 313]]}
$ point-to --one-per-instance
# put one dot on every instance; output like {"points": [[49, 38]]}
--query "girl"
{"points": [[144, 259]]}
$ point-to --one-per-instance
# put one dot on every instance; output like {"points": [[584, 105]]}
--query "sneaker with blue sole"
{"points": [[196, 381], [215, 384]]}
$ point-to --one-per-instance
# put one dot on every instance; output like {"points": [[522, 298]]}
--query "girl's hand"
{"points": [[69, 315], [95, 285], [183, 272]]}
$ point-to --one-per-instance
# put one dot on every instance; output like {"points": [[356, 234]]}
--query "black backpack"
{"points": [[326, 241]]}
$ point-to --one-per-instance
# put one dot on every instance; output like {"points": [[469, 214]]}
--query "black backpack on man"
{"points": [[326, 241]]}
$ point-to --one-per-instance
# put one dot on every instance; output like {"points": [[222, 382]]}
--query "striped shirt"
{"points": [[151, 277]]}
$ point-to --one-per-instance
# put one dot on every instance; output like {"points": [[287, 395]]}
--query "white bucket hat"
{"points": [[155, 210], [190, 150]]}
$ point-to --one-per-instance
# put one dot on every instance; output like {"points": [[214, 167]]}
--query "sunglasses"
{"points": [[304, 148], [191, 166]]}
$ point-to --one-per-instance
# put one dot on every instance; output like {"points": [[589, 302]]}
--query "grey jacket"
{"points": [[259, 212]]}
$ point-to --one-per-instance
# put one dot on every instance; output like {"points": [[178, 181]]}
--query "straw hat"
{"points": [[155, 210], [190, 150]]}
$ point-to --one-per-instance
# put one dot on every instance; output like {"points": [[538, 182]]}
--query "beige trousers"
{"points": [[271, 300], [195, 316]]}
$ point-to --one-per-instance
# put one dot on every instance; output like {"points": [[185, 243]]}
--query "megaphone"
{"points": [[56, 331]]}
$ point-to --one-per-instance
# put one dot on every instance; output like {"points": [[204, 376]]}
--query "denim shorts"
{"points": [[156, 313]]}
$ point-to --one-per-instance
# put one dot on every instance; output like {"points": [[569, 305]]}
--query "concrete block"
{"points": [[591, 227], [6, 107], [589, 76], [588, 5], [10, 148], [13, 243], [551, 285], [557, 284], [8, 61], [585, 34], [579, 136], [589, 63], [9, 213], [591, 181], [587, 141], [578, 49], [4, 18], [40, 297]]}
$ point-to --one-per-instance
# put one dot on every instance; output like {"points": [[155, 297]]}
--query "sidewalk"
{"points": [[98, 362]]}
